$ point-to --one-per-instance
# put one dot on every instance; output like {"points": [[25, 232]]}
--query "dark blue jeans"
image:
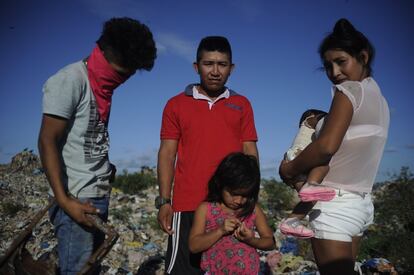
{"points": [[76, 243]]}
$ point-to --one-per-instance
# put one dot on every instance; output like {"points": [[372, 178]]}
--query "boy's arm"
{"points": [[50, 137], [165, 170], [199, 240], [250, 148], [266, 240]]}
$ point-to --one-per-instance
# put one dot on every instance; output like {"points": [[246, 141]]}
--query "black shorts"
{"points": [[179, 260]]}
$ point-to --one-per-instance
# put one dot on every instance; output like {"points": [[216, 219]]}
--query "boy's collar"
{"points": [[189, 90]]}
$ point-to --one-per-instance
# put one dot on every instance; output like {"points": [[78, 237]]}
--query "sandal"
{"points": [[294, 227], [316, 192]]}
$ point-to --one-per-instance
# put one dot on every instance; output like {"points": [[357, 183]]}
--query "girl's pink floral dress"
{"points": [[228, 255]]}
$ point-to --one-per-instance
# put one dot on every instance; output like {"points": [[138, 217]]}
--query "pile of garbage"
{"points": [[24, 192], [141, 244]]}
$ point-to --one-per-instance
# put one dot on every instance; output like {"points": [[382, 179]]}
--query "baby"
{"points": [[307, 186]]}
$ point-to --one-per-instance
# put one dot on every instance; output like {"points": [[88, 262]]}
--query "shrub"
{"points": [[278, 195], [392, 235], [135, 182], [10, 209], [152, 221], [275, 199], [122, 213]]}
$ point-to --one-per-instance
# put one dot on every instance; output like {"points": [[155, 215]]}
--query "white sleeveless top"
{"points": [[355, 165]]}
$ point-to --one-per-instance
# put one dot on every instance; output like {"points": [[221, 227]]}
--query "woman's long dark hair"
{"points": [[346, 38], [237, 173]]}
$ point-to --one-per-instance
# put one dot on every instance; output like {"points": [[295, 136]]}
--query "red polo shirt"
{"points": [[205, 136]]}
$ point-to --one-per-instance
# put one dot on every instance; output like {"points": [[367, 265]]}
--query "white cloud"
{"points": [[269, 168], [167, 42], [170, 43], [134, 161]]}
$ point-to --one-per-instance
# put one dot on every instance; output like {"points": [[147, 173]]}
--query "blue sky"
{"points": [[274, 48]]}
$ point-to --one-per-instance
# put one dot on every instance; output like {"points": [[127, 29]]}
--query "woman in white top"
{"points": [[351, 141]]}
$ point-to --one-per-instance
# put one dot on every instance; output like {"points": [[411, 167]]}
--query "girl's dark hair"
{"points": [[128, 43], [317, 113], [346, 38], [239, 174], [214, 43]]}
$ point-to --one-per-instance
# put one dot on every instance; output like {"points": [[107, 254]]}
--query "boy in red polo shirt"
{"points": [[200, 126]]}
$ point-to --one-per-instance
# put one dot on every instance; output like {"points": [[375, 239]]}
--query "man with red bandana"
{"points": [[74, 141]]}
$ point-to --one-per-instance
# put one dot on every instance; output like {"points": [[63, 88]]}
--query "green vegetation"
{"points": [[43, 188], [278, 195], [122, 213], [152, 222], [10, 209], [276, 198], [133, 183], [392, 235]]}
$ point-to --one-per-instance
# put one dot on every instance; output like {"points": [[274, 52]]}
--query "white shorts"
{"points": [[348, 215]]}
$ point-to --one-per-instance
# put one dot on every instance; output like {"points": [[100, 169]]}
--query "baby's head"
{"points": [[311, 117], [236, 183]]}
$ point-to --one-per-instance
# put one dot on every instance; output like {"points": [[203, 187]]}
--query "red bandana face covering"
{"points": [[103, 80]]}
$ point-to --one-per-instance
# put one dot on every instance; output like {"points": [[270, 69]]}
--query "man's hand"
{"points": [[77, 210], [165, 215]]}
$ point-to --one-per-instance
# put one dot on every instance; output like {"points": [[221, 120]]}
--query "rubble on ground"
{"points": [[24, 192], [141, 244]]}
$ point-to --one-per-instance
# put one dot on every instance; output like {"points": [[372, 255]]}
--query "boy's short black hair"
{"points": [[214, 43], [128, 43]]}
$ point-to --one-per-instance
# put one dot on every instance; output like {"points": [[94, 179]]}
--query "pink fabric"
{"points": [[316, 192], [103, 80], [273, 258], [228, 255]]}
